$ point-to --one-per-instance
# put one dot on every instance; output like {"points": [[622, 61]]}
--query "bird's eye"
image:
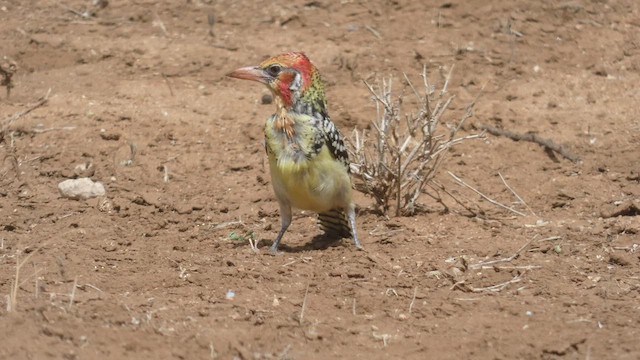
{"points": [[274, 70]]}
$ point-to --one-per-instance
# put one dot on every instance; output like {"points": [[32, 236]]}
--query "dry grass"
{"points": [[397, 160]]}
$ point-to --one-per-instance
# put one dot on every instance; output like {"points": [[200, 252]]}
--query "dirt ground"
{"points": [[160, 267]]}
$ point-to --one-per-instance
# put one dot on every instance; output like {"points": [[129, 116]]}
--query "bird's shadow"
{"points": [[318, 242]]}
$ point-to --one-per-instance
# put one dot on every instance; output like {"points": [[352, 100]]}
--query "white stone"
{"points": [[82, 188]]}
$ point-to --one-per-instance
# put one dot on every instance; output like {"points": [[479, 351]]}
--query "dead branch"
{"points": [[461, 285], [516, 194], [166, 79], [548, 144], [63, 128], [304, 305], [503, 260], [11, 119], [461, 182], [373, 31]]}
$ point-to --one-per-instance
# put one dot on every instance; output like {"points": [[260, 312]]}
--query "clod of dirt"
{"points": [[620, 259], [83, 188], [110, 136], [625, 208]]}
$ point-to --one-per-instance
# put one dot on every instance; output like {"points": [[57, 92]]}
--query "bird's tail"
{"points": [[335, 223]]}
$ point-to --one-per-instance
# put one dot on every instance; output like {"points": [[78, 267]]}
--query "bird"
{"points": [[308, 160]]}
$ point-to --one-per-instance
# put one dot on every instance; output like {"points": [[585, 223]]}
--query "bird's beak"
{"points": [[249, 73]]}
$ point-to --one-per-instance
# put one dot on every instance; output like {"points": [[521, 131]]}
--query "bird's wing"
{"points": [[335, 142]]}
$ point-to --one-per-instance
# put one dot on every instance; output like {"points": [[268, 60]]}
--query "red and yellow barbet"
{"points": [[308, 160]]}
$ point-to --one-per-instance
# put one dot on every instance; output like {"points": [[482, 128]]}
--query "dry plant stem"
{"points": [[484, 196], [304, 305], [72, 296], [36, 292], [501, 286], [503, 260], [93, 287], [165, 170], [10, 120], [524, 267], [461, 285], [161, 24], [534, 138], [373, 31], [13, 296], [64, 128], [254, 245], [551, 238], [516, 195], [384, 337], [35, 274], [441, 187], [166, 79], [413, 299], [227, 224]]}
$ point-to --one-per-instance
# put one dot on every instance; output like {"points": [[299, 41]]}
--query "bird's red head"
{"points": [[291, 77]]}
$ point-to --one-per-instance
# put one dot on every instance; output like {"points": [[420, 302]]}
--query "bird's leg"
{"points": [[285, 219], [351, 213]]}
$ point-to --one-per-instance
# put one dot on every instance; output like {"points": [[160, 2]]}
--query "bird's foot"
{"points": [[274, 251]]}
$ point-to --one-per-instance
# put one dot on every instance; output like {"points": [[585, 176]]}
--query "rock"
{"points": [[82, 188]]}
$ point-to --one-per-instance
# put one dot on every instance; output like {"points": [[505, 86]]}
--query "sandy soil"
{"points": [[144, 272]]}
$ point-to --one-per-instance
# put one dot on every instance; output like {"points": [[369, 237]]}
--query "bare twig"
{"points": [[503, 260], [304, 305], [461, 182], [13, 296], [462, 285], [534, 138], [413, 299], [93, 287], [63, 128], [523, 267], [10, 120], [254, 244], [165, 171], [227, 224], [373, 31], [72, 296], [501, 286], [551, 238], [166, 80], [160, 23], [384, 337], [211, 19], [516, 195]]}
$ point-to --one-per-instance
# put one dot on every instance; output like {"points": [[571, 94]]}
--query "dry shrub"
{"points": [[397, 159]]}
